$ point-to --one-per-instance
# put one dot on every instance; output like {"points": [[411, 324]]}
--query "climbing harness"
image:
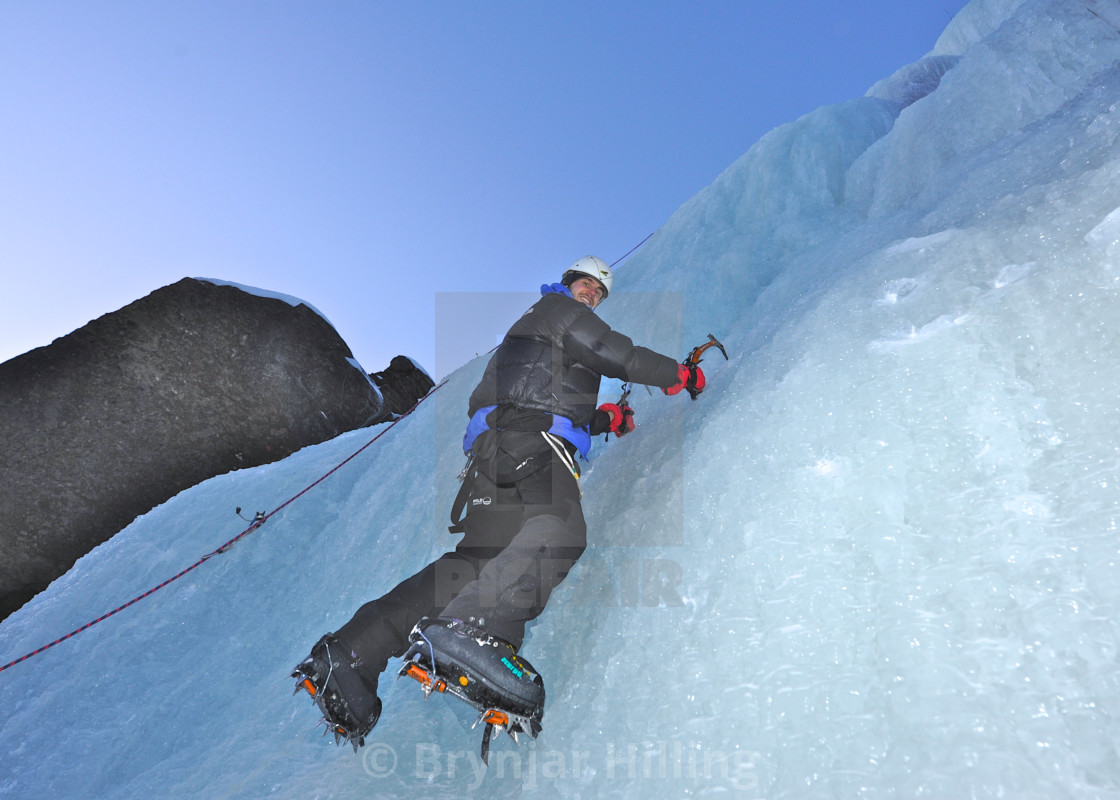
{"points": [[557, 444]]}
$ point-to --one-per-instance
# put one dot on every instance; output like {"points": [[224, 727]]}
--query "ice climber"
{"points": [[531, 418]]}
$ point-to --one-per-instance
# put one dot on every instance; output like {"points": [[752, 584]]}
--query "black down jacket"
{"points": [[554, 356]]}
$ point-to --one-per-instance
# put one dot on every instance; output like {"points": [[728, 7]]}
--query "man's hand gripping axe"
{"points": [[694, 358]]}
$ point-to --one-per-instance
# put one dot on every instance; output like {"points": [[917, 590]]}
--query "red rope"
{"points": [[635, 247], [260, 520]]}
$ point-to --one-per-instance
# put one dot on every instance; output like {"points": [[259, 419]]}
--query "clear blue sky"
{"points": [[378, 158]]}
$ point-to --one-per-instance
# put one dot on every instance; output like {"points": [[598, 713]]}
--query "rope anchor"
{"points": [[257, 520]]}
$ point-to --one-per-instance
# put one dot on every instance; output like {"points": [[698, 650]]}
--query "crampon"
{"points": [[350, 707], [453, 657]]}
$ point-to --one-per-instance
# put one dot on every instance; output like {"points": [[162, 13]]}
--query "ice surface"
{"points": [[877, 558], [914, 81]]}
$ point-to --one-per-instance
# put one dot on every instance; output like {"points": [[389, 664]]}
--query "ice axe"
{"points": [[623, 403], [694, 358]]}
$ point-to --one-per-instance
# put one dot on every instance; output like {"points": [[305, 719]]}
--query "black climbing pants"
{"points": [[521, 539]]}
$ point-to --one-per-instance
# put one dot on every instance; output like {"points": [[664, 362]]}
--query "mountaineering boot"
{"points": [[347, 699], [449, 655]]}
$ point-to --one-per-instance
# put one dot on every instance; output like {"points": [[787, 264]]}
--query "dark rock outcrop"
{"points": [[192, 381], [402, 383]]}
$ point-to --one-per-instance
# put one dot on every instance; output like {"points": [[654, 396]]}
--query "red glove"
{"points": [[688, 377], [622, 418]]}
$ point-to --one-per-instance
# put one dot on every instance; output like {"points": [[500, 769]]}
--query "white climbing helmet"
{"points": [[591, 267]]}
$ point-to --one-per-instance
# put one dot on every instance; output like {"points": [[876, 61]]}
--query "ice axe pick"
{"points": [[695, 357]]}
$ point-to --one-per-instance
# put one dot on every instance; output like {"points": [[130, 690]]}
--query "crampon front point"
{"points": [[349, 705], [454, 658]]}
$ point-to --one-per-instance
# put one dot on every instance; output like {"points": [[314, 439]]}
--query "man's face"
{"points": [[588, 291]]}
